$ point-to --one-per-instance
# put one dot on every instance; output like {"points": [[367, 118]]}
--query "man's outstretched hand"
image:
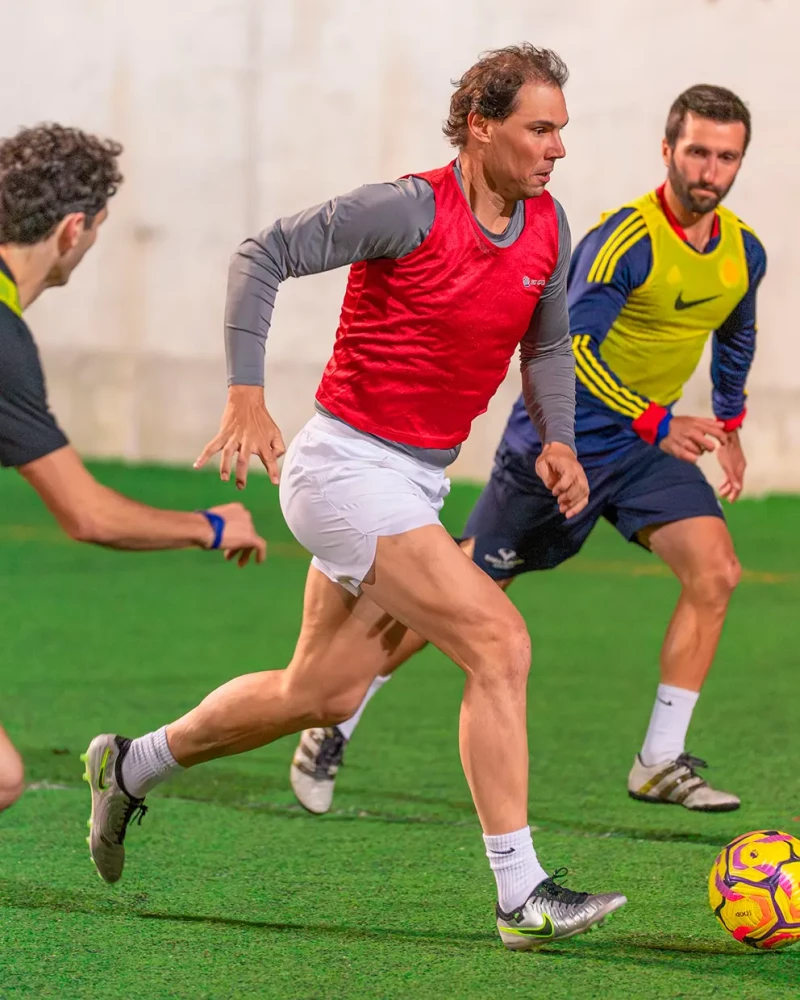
{"points": [[246, 429]]}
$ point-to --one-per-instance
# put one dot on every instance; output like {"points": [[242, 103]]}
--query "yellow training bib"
{"points": [[656, 341]]}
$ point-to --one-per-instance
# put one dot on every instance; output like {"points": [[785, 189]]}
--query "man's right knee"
{"points": [[501, 650]]}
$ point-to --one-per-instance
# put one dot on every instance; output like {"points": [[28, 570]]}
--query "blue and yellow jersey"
{"points": [[643, 303]]}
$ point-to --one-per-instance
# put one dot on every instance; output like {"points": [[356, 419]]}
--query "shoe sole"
{"points": [[527, 944], [308, 809], [731, 807], [89, 779]]}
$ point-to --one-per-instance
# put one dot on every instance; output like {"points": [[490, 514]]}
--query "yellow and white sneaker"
{"points": [[676, 782]]}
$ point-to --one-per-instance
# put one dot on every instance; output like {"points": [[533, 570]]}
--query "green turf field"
{"points": [[231, 891]]}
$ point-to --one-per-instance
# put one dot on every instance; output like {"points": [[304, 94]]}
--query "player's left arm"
{"points": [[548, 385], [734, 347]]}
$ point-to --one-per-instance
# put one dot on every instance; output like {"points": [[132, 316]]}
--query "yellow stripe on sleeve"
{"points": [[628, 394], [611, 266], [597, 380], [586, 379], [620, 234]]}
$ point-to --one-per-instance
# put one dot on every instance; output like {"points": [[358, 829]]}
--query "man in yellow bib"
{"points": [[647, 287]]}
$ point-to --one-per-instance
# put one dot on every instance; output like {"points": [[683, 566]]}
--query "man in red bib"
{"points": [[450, 271]]}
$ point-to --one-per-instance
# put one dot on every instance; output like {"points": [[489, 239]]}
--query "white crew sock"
{"points": [[147, 763], [666, 735], [346, 728], [515, 866]]}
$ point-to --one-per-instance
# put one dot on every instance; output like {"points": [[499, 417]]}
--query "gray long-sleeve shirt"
{"points": [[390, 220]]}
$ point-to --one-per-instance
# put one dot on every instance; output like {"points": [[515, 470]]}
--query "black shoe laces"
{"points": [[552, 889], [331, 751], [691, 762], [136, 810]]}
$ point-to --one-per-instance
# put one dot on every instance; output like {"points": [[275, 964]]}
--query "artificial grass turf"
{"points": [[232, 891]]}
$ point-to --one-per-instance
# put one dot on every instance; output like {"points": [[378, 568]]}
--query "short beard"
{"points": [[699, 205]]}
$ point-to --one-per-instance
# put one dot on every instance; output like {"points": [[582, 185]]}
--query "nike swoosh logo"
{"points": [[502, 852], [545, 931], [681, 304], [101, 774], [665, 702]]}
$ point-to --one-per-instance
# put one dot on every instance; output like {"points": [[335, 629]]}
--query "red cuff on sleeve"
{"points": [[735, 422], [646, 426]]}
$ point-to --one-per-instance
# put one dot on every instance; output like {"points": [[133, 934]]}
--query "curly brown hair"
{"points": [[707, 101], [491, 86], [48, 172]]}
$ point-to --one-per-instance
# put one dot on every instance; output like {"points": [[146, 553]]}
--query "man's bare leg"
{"points": [[412, 643], [320, 750], [12, 772], [481, 631], [700, 553]]}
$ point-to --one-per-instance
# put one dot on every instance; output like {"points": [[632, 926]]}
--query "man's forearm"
{"points": [[117, 522], [90, 512]]}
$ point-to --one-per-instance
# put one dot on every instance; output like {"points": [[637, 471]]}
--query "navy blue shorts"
{"points": [[517, 526]]}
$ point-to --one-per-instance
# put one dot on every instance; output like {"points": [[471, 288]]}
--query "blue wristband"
{"points": [[663, 427], [217, 523]]}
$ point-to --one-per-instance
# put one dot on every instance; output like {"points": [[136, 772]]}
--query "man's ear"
{"points": [[69, 231]]}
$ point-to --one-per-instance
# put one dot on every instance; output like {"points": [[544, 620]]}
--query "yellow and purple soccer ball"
{"points": [[754, 889]]}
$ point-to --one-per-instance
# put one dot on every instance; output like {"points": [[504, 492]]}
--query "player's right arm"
{"points": [[91, 512], [612, 261], [376, 220], [32, 442]]}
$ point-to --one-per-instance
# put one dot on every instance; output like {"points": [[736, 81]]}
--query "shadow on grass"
{"points": [[635, 948]]}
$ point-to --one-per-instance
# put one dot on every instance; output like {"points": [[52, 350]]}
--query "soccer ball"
{"points": [[754, 889]]}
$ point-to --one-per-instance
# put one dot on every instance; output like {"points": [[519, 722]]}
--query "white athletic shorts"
{"points": [[342, 490]]}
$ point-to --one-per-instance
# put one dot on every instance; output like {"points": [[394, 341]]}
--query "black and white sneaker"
{"points": [[552, 913], [112, 808], [314, 767]]}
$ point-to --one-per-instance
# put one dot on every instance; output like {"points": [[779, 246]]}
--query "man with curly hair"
{"points": [[55, 184]]}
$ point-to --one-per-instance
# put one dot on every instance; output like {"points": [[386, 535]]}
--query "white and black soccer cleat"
{"points": [[315, 765]]}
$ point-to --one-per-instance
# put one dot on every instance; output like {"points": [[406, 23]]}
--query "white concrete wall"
{"points": [[236, 111]]}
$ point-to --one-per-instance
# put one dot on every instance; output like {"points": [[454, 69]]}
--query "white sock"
{"points": [[147, 763], [346, 728], [666, 735], [515, 866]]}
